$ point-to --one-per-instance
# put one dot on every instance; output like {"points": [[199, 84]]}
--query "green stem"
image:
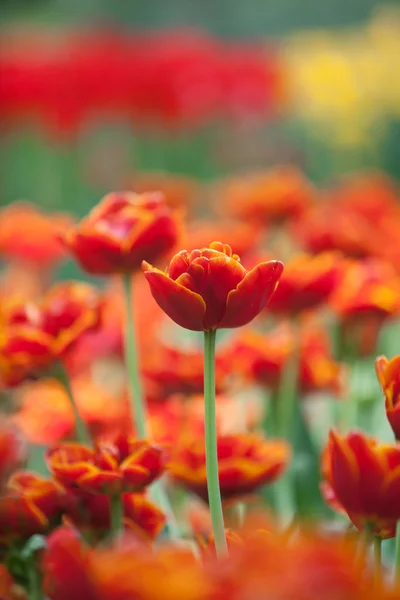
{"points": [[34, 581], [132, 363], [285, 412], [214, 493], [377, 560], [138, 407], [117, 514], [397, 556], [82, 432]]}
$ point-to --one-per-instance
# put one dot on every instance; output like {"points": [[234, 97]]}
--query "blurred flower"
{"points": [[243, 237], [365, 479], [114, 466], [367, 295], [388, 372], [172, 370], [91, 513], [65, 566], [307, 283], [30, 236], [9, 589], [246, 462], [179, 190], [262, 358], [123, 230], [209, 288], [36, 336], [73, 570], [365, 212], [267, 196], [31, 504], [46, 415], [13, 449]]}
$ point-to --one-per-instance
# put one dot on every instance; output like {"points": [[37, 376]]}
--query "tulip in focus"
{"points": [[123, 230], [209, 289], [388, 372], [246, 462], [364, 478]]}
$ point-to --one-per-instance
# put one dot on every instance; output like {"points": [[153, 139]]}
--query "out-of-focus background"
{"points": [[99, 94]]}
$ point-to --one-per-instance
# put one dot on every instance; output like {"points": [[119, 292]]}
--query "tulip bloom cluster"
{"points": [[177, 449]]}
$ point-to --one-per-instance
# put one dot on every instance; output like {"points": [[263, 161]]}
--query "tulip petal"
{"points": [[345, 474], [251, 295], [183, 306], [372, 467]]}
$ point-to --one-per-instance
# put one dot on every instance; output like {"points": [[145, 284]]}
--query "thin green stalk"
{"points": [[138, 407], [377, 560], [132, 363], [285, 414], [82, 432], [397, 556], [214, 493], [117, 514], [35, 589]]}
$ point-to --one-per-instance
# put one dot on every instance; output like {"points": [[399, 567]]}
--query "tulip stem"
{"points": [[138, 408], [285, 407], [397, 555], [81, 431], [214, 493], [117, 514], [377, 560], [131, 356], [34, 581]]}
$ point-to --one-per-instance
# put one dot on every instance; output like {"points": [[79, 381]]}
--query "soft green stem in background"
{"points": [[377, 560], [117, 514], [285, 414], [397, 555], [138, 407], [35, 589], [214, 493], [82, 432], [132, 364]]}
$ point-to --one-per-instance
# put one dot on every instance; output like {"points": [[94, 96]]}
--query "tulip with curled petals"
{"points": [[123, 230], [209, 289], [246, 463], [122, 464], [363, 480], [388, 372]]}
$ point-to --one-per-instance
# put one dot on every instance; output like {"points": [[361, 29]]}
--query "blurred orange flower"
{"points": [[365, 214], [114, 466], [209, 289], [246, 462], [91, 513], [307, 283], [262, 358], [179, 190], [364, 477], [31, 504], [36, 336], [172, 369], [13, 450], [243, 237], [123, 230], [29, 235], [9, 590], [367, 295], [388, 372], [46, 415], [267, 196]]}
